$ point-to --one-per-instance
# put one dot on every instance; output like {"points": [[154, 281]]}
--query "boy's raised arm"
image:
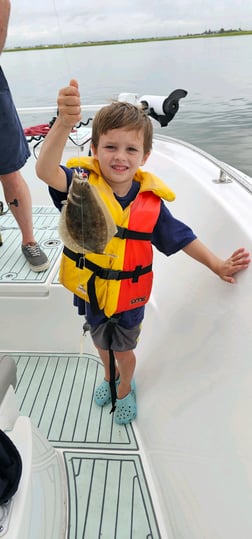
{"points": [[239, 260], [69, 113]]}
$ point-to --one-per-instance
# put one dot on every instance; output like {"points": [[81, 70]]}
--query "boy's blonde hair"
{"points": [[122, 115]]}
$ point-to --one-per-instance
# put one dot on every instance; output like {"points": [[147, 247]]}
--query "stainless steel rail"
{"points": [[227, 173]]}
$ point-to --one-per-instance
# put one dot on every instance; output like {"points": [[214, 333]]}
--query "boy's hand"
{"points": [[239, 260], [69, 105]]}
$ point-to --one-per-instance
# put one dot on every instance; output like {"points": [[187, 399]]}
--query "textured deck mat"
{"points": [[57, 392], [109, 497], [108, 493], [13, 265]]}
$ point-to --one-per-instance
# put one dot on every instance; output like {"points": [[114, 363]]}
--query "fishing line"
{"points": [[61, 35], [64, 48], [79, 168]]}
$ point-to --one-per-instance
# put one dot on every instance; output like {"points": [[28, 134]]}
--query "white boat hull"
{"points": [[193, 359], [194, 366]]}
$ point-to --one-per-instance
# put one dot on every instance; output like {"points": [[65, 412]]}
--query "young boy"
{"points": [[114, 306]]}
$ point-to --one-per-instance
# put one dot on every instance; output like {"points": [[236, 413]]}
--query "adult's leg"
{"points": [[15, 187]]}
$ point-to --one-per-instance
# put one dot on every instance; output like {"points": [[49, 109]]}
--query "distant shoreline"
{"points": [[135, 40]]}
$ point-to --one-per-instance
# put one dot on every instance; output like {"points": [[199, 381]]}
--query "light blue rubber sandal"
{"points": [[102, 394], [126, 409]]}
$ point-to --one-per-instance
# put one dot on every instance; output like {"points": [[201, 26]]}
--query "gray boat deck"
{"points": [[13, 266], [108, 492]]}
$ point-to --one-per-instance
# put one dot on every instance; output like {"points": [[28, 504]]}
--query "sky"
{"points": [[44, 22]]}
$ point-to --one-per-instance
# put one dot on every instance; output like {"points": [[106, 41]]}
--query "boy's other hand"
{"points": [[239, 260]]}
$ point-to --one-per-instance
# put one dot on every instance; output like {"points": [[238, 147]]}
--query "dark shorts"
{"points": [[123, 339], [14, 150]]}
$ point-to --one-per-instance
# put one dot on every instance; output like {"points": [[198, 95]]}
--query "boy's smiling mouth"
{"points": [[119, 168]]}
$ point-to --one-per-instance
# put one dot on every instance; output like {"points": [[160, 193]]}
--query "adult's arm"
{"points": [[4, 21]]}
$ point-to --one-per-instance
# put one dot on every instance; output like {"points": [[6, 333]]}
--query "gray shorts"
{"points": [[122, 339]]}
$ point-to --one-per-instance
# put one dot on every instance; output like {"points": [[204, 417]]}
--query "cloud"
{"points": [[62, 21]]}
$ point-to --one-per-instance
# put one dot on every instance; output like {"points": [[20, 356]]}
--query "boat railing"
{"points": [[53, 109], [227, 173]]}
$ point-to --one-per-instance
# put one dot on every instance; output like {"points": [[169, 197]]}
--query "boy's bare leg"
{"points": [[126, 365], [104, 355], [126, 362]]}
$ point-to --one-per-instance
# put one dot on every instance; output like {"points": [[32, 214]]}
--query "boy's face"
{"points": [[120, 153]]}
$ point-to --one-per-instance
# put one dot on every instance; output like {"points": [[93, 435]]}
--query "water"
{"points": [[215, 115]]}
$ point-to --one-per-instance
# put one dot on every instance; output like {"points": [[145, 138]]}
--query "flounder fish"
{"points": [[85, 224]]}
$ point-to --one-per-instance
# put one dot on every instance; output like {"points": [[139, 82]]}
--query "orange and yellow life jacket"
{"points": [[121, 278]]}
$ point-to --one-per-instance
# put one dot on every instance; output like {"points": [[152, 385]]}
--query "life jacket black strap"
{"points": [[117, 275], [125, 233], [109, 330], [103, 273], [107, 273], [92, 295]]}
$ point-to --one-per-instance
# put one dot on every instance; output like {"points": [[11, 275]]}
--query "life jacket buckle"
{"points": [[112, 274], [80, 263]]}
